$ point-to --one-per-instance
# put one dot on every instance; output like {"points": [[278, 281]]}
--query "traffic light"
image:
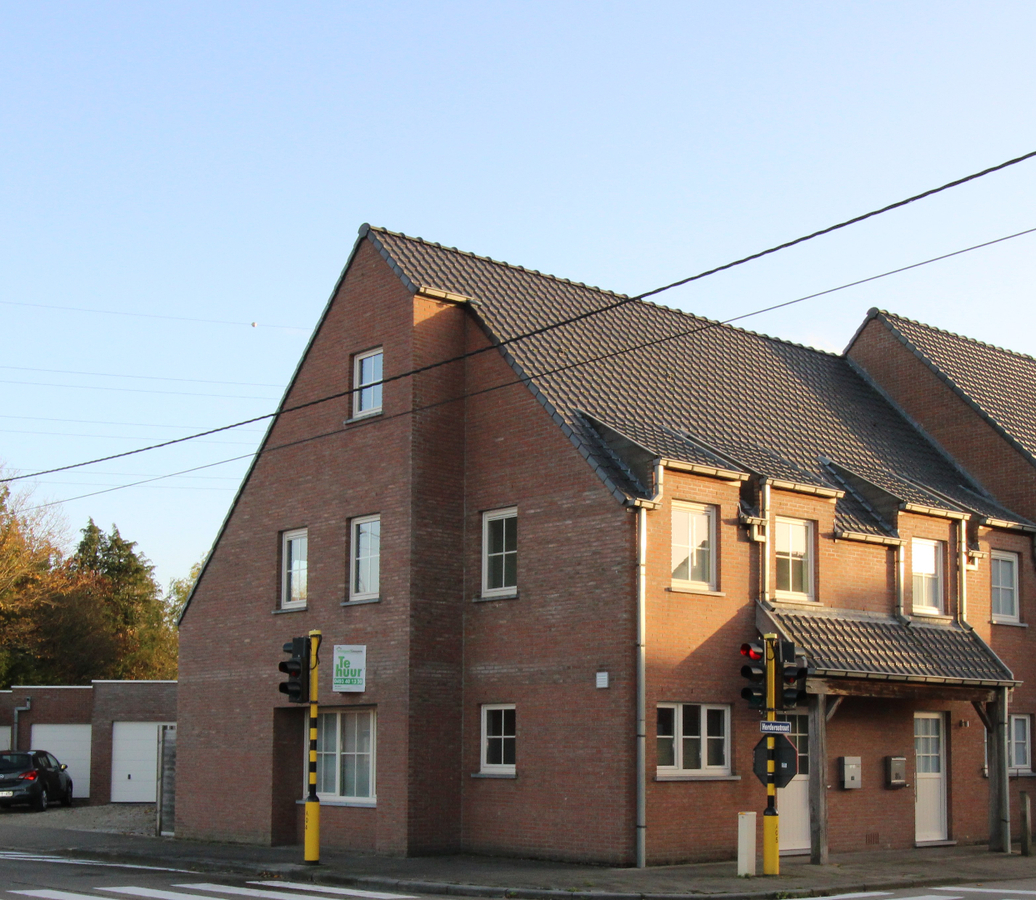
{"points": [[755, 672], [791, 677], [297, 670]]}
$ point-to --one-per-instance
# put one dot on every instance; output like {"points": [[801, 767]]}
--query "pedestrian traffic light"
{"points": [[755, 672], [297, 670], [791, 683]]}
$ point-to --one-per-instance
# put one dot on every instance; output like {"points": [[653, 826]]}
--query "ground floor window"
{"points": [[1018, 750], [693, 738], [499, 738], [345, 755]]}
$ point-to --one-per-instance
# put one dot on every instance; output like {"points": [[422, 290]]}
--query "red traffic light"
{"points": [[754, 652]]}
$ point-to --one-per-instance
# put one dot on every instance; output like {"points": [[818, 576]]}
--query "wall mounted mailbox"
{"points": [[895, 772], [852, 772]]}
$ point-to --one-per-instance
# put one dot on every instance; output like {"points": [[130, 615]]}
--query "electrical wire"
{"points": [[140, 315], [142, 377], [622, 302], [92, 387], [702, 326]]}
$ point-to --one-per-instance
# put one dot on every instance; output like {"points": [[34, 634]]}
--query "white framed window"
{"points": [[793, 544], [346, 759], [693, 739], [1019, 748], [927, 568], [367, 377], [365, 558], [294, 565], [1004, 586], [694, 545], [499, 738], [500, 552]]}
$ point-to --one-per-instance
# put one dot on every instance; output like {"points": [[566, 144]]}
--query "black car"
{"points": [[33, 777]]}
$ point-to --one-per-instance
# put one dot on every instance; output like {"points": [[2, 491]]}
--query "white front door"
{"points": [[71, 745], [793, 801], [930, 819]]}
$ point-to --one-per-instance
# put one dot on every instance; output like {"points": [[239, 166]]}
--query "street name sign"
{"points": [[775, 727]]}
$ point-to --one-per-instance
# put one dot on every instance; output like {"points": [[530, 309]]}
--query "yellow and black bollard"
{"points": [[771, 839], [312, 838]]}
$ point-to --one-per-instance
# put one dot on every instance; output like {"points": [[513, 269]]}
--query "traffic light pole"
{"points": [[771, 842], [312, 838]]}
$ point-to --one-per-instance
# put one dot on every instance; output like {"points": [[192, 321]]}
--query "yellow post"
{"points": [[771, 840], [312, 839]]}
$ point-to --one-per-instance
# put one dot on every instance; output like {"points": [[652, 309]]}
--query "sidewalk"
{"points": [[530, 879]]}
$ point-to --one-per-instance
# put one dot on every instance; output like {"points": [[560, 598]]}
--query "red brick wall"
{"points": [[50, 706], [952, 422], [123, 701], [231, 636], [573, 797]]}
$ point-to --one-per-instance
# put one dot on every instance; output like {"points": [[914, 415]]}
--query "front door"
{"points": [[930, 819], [793, 801]]}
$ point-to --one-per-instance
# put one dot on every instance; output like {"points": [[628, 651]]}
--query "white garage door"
{"points": [[71, 745], [135, 761], [5, 737]]}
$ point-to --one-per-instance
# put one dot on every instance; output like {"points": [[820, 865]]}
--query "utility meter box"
{"points": [[852, 772], [895, 772]]}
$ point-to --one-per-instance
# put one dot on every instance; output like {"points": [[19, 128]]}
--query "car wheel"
{"points": [[66, 800], [41, 802]]}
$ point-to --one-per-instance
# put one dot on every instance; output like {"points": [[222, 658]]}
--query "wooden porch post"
{"points": [[999, 798], [818, 779]]}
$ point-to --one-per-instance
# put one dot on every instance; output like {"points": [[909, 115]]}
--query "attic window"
{"points": [[367, 376]]}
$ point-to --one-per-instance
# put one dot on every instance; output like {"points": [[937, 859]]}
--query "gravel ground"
{"points": [[111, 818]]}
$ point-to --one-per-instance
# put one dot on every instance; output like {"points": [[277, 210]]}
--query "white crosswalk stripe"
{"points": [[366, 895], [155, 893], [282, 895], [986, 891], [859, 895]]}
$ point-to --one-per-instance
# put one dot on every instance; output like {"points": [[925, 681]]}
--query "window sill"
{"points": [[1013, 622], [510, 775], [362, 804], [697, 778], [691, 589], [364, 416], [796, 600], [933, 616], [484, 598], [290, 609], [361, 601]]}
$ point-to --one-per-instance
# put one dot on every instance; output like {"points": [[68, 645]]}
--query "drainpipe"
{"points": [[14, 728], [764, 513], [641, 688], [900, 581], [962, 572], [642, 669]]}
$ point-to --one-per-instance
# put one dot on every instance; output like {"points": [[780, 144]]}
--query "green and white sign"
{"points": [[349, 671]]}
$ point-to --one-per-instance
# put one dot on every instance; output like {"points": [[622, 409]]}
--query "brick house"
{"points": [[551, 547]]}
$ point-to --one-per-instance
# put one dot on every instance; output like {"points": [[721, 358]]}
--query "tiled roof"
{"points": [[998, 383], [842, 643], [698, 391]]}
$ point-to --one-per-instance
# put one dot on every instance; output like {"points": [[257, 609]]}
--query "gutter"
{"points": [[764, 514], [14, 727]]}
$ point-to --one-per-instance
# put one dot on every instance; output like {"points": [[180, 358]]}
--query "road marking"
{"points": [[987, 890], [859, 894], [154, 893], [56, 895], [281, 895], [375, 895], [16, 856]]}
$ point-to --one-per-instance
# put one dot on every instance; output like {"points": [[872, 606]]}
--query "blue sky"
{"points": [[212, 161]]}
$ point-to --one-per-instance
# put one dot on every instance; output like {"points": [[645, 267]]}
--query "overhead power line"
{"points": [[700, 327], [142, 377], [564, 322], [140, 315]]}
